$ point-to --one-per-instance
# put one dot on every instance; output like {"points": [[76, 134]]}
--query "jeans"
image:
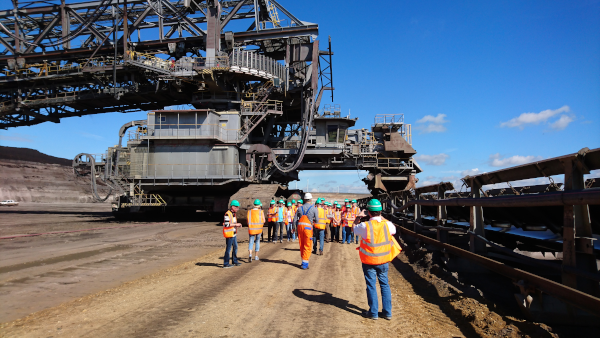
{"points": [[347, 235], [320, 235], [372, 274], [295, 227], [288, 230], [335, 234], [279, 226], [231, 242], [254, 241]]}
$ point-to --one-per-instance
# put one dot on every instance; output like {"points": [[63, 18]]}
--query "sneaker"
{"points": [[238, 264], [368, 316], [250, 259], [304, 266], [281, 241], [227, 266], [256, 258], [388, 318]]}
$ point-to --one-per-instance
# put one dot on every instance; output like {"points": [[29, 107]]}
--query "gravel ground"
{"points": [[165, 280]]}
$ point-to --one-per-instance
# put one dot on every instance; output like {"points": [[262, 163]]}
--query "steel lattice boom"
{"points": [[62, 58]]}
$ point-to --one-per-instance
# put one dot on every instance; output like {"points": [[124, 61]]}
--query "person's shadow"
{"points": [[327, 298], [280, 261], [208, 264], [288, 249]]}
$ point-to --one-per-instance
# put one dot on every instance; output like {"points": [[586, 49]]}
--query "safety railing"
{"points": [[41, 69], [211, 62], [254, 106], [389, 118], [238, 61], [186, 131], [389, 163], [145, 200], [194, 171], [256, 64]]}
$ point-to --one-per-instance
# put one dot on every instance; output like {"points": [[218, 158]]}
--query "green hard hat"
{"points": [[322, 199], [338, 206], [348, 205], [300, 201], [374, 205], [353, 201], [289, 204], [294, 201], [235, 203], [257, 202], [318, 201], [280, 201], [346, 200], [272, 202]]}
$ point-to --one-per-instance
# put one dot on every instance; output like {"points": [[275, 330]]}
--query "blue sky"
{"points": [[485, 85]]}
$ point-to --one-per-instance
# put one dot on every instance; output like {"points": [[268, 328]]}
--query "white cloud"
{"points": [[431, 128], [525, 183], [470, 172], [426, 183], [496, 160], [439, 159], [435, 124], [562, 122], [593, 174], [439, 119], [534, 118]]}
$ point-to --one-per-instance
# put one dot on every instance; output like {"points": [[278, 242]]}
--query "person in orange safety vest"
{"points": [[336, 223], [305, 217], [230, 225], [319, 227], [272, 219], [348, 221], [256, 221], [377, 248]]}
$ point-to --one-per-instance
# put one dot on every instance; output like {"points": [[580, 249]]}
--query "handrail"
{"points": [[571, 197]]}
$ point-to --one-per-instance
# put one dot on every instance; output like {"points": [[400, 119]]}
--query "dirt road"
{"points": [[272, 297], [165, 280]]}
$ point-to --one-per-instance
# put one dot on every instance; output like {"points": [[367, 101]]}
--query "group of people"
{"points": [[282, 215], [309, 223]]}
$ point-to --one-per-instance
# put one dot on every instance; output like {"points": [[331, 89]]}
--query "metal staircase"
{"points": [[257, 110]]}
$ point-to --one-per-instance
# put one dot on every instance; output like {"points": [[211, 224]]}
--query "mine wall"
{"points": [[39, 181]]}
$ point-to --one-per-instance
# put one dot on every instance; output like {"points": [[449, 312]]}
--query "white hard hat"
{"points": [[307, 196]]}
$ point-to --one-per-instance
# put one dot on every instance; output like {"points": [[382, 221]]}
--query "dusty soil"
{"points": [[166, 280], [46, 270]]}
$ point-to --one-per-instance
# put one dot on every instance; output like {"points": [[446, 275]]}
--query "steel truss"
{"points": [[63, 58]]}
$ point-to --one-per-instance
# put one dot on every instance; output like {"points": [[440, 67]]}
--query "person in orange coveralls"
{"points": [[306, 216]]}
